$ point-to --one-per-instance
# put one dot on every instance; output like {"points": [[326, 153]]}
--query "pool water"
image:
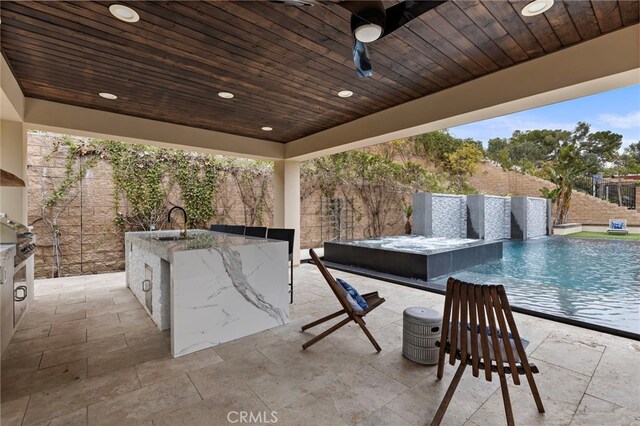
{"points": [[595, 281]]}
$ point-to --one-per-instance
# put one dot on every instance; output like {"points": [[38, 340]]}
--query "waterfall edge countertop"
{"points": [[211, 288], [198, 239]]}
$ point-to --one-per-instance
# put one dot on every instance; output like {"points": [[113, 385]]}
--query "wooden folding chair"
{"points": [[484, 311], [373, 300]]}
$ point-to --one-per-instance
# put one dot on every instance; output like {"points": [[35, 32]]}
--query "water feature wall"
{"points": [[439, 215], [537, 225], [449, 216], [497, 217], [530, 217], [478, 216]]}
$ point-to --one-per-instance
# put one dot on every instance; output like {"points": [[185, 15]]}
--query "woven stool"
{"points": [[420, 330]]}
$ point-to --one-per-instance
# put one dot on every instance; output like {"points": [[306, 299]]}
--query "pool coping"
{"points": [[424, 285]]}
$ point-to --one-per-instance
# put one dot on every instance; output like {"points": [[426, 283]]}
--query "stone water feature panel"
{"points": [[449, 216], [497, 217], [536, 217]]}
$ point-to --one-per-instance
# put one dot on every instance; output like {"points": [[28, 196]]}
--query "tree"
{"points": [[572, 155], [463, 161]]}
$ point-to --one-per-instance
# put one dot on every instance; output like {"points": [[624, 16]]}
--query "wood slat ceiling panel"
{"points": [[284, 64]]}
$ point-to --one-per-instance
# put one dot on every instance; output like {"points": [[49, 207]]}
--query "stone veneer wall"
{"points": [[91, 243], [491, 179], [536, 217], [89, 240], [497, 217], [449, 216]]}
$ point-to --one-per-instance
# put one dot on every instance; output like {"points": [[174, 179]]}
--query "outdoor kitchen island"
{"points": [[210, 288]]}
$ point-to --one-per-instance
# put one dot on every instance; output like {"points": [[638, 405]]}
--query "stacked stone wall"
{"points": [[491, 179]]}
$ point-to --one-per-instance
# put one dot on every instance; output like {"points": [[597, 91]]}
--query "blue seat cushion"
{"points": [[354, 294]]}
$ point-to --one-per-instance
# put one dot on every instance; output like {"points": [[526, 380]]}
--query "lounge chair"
{"points": [[475, 324], [617, 226], [372, 299]]}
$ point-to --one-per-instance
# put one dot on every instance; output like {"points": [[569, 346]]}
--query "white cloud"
{"points": [[621, 121]]}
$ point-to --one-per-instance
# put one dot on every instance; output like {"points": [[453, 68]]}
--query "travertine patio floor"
{"points": [[88, 354]]}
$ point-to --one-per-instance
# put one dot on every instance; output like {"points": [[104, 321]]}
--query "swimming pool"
{"points": [[595, 281]]}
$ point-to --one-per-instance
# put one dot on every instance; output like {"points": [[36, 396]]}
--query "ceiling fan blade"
{"points": [[356, 6], [402, 13], [361, 59]]}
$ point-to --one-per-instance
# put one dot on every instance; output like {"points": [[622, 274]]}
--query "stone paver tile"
{"points": [[617, 378], [133, 315], [595, 411], [418, 404], [227, 380], [142, 404], [384, 417], [524, 410], [12, 411], [282, 385], [75, 307], [127, 357], [572, 356], [43, 344], [77, 418], [162, 369], [114, 326], [34, 380], [31, 333], [215, 411], [21, 365], [71, 397], [407, 372], [357, 393], [83, 324], [109, 309], [33, 319], [313, 409], [246, 344], [82, 350]]}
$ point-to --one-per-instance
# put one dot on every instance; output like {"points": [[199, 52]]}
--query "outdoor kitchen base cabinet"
{"points": [[16, 292], [210, 288], [20, 293]]}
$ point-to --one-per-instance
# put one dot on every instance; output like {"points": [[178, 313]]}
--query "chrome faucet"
{"points": [[183, 233]]}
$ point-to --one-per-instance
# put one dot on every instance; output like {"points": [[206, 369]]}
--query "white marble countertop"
{"points": [[199, 239]]}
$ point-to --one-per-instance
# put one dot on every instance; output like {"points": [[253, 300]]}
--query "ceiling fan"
{"points": [[370, 21]]}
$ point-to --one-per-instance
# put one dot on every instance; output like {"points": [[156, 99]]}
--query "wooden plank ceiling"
{"points": [[284, 64]]}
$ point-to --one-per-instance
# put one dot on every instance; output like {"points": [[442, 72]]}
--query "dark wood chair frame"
{"points": [[373, 300], [482, 306]]}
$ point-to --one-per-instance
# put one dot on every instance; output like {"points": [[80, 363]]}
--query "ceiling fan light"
{"points": [[368, 32], [537, 7]]}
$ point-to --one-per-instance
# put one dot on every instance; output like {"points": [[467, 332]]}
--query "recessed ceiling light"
{"points": [[345, 93], [106, 95], [537, 7], [225, 95], [124, 13], [267, 129]]}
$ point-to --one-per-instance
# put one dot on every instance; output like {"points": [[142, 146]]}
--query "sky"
{"points": [[617, 110]]}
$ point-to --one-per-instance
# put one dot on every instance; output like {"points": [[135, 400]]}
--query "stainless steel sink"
{"points": [[175, 238]]}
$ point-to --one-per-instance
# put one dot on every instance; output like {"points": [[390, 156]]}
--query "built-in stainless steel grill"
{"points": [[12, 232]]}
